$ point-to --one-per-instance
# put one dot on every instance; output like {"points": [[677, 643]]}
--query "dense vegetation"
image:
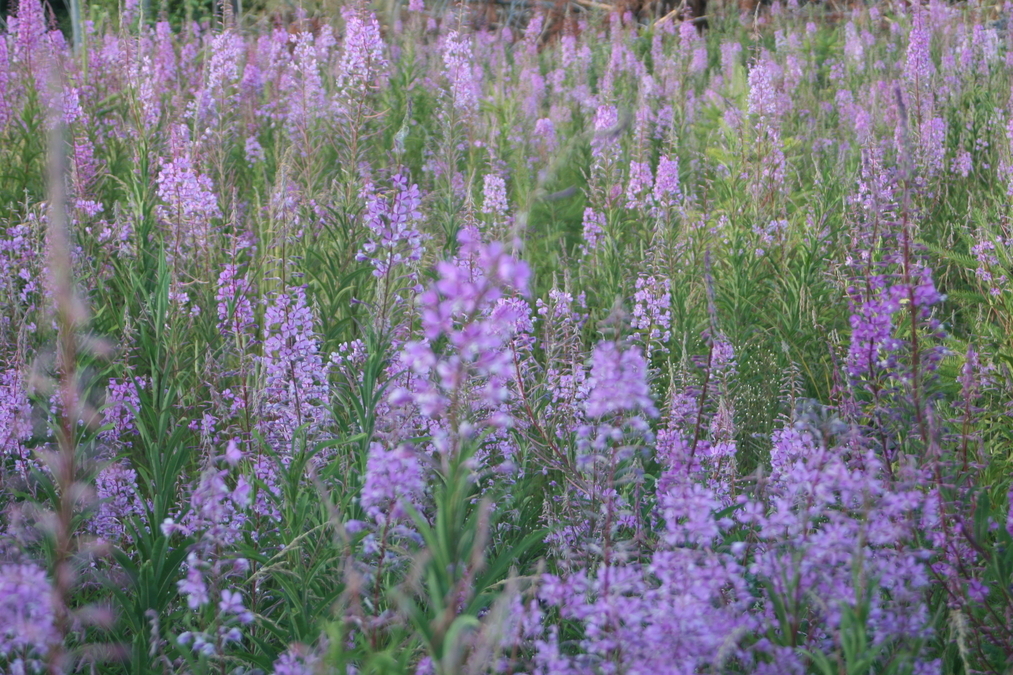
{"points": [[394, 346]]}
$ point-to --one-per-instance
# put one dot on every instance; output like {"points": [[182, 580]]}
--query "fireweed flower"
{"points": [[31, 48], [918, 66], [873, 345], [594, 231], [565, 372], [264, 471], [698, 438], [617, 388], [822, 505], [122, 404], [459, 308], [854, 48], [297, 660], [932, 146], [652, 315], [769, 235], [617, 59], [119, 501], [667, 189], [687, 604], [296, 388], [605, 124], [674, 439], [223, 71], [1009, 512], [989, 271], [465, 89], [193, 586], [692, 47], [20, 267], [722, 355], [232, 603], [767, 104], [970, 384], [15, 419], [494, 196], [305, 96], [962, 164], [533, 86], [350, 359], [393, 478], [27, 624], [393, 219], [765, 100], [216, 519], [233, 455], [189, 204], [254, 151], [545, 133], [234, 303], [217, 509], [7, 98], [875, 348], [164, 57], [730, 58], [638, 189], [362, 56], [85, 168]]}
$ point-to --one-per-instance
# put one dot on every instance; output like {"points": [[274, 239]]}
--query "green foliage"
{"points": [[458, 575]]}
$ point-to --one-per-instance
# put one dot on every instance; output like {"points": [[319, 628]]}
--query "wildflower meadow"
{"points": [[436, 340]]}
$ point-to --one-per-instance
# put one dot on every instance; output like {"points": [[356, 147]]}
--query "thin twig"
{"points": [[595, 5]]}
